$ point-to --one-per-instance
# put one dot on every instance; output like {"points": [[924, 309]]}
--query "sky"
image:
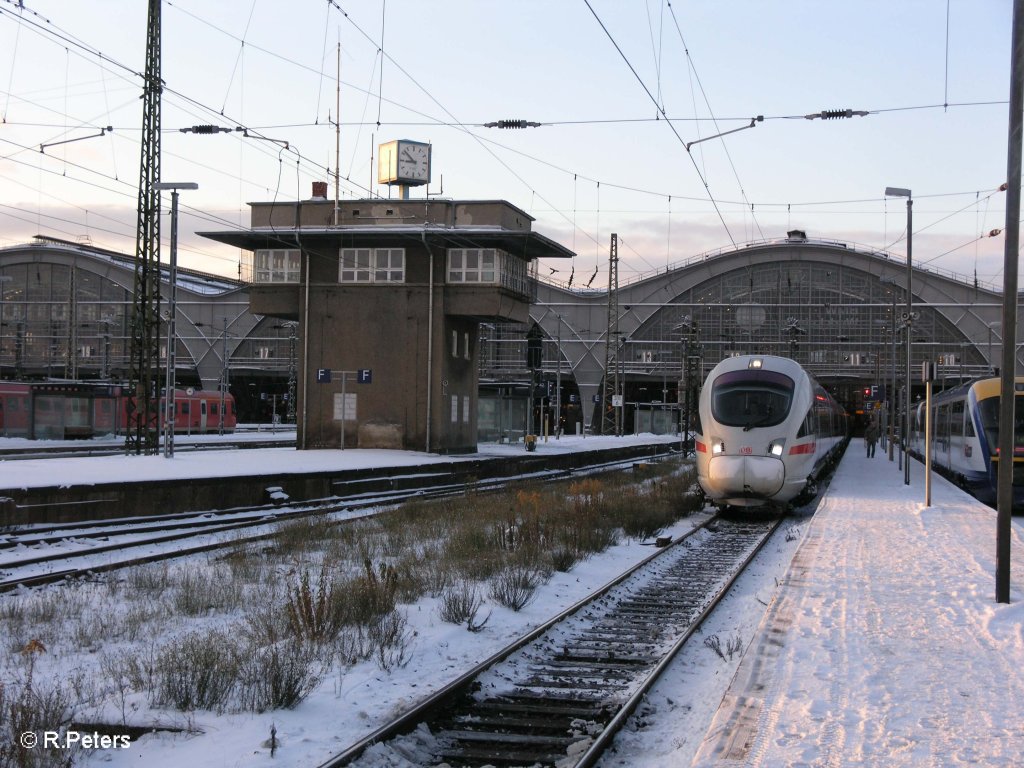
{"points": [[869, 636], [620, 90]]}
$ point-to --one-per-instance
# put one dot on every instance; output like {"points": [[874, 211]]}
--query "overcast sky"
{"points": [[600, 75]]}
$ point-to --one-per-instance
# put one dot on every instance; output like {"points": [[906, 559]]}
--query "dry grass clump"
{"points": [[30, 706], [261, 626]]}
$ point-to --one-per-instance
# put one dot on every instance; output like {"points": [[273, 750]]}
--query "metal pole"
{"points": [[910, 316], [907, 320], [892, 365], [1011, 244], [224, 379], [344, 377], [171, 333], [928, 443], [558, 383]]}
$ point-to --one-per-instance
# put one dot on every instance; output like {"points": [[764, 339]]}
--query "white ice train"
{"points": [[767, 430]]}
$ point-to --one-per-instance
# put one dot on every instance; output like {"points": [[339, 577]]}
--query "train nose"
{"points": [[745, 476]]}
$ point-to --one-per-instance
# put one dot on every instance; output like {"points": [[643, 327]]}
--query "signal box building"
{"points": [[389, 296]]}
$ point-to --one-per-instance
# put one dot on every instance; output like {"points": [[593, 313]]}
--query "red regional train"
{"points": [[64, 410]]}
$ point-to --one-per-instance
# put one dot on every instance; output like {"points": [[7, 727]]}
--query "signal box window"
{"points": [[276, 265], [372, 265], [487, 266]]}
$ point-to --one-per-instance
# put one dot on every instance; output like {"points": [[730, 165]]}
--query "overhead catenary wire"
{"points": [[672, 127], [314, 167]]}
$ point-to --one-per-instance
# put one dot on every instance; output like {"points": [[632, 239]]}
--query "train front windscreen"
{"points": [[988, 410], [751, 398]]}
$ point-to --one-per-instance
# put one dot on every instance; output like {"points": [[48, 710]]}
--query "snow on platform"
{"points": [[885, 645]]}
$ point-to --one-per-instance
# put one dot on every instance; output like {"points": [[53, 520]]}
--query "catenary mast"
{"points": [[142, 433]]}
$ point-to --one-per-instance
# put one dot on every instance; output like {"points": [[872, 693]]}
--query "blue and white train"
{"points": [[965, 437], [767, 430]]}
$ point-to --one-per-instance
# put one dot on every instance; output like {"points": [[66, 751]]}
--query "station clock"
{"points": [[404, 162]]}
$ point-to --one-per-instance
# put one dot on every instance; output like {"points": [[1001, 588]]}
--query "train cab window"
{"points": [[751, 398], [988, 410]]}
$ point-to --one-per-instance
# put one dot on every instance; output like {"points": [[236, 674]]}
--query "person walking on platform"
{"points": [[870, 438]]}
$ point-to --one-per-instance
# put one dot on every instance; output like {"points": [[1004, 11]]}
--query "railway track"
{"points": [[181, 445], [73, 549], [559, 695]]}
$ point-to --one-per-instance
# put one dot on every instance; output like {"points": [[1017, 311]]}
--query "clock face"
{"points": [[414, 161]]}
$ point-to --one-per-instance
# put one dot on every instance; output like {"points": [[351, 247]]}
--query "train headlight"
{"points": [[775, 447], [717, 447]]}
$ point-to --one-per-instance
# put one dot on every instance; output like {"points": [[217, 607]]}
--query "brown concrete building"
{"points": [[388, 296]]}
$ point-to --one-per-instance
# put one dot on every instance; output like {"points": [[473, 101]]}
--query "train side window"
{"points": [[185, 408], [806, 426], [202, 407], [213, 409], [956, 424]]}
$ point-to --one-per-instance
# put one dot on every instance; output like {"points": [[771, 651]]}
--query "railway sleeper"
{"points": [[501, 737], [544, 683], [547, 706], [584, 673], [499, 756], [601, 666], [638, 653], [473, 722]]}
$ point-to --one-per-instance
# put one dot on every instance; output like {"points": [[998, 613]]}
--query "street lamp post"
{"points": [[908, 319], [890, 396], [172, 338]]}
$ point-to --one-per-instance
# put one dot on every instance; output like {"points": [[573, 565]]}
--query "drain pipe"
{"points": [[305, 358], [430, 335]]}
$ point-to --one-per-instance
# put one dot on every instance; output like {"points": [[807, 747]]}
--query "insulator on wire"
{"points": [[205, 129], [512, 124], [836, 114]]}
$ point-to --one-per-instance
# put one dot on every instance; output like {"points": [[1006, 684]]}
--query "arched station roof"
{"points": [[829, 304], [37, 300]]}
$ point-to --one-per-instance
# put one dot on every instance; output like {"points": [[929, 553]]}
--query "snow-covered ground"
{"points": [[883, 647], [35, 473], [871, 637]]}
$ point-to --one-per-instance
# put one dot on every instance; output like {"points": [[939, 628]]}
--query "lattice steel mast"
{"points": [[609, 416], [142, 433]]}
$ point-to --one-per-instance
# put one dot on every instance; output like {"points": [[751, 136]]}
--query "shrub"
{"points": [[196, 671], [461, 603], [373, 594], [315, 613], [390, 640], [514, 587], [26, 706], [279, 676]]}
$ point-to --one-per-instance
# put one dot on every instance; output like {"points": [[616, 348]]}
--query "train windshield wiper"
{"points": [[759, 422]]}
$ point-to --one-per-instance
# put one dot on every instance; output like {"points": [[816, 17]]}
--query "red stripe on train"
{"points": [[804, 448]]}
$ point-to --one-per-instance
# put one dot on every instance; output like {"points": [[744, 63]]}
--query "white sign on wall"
{"points": [[345, 410]]}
